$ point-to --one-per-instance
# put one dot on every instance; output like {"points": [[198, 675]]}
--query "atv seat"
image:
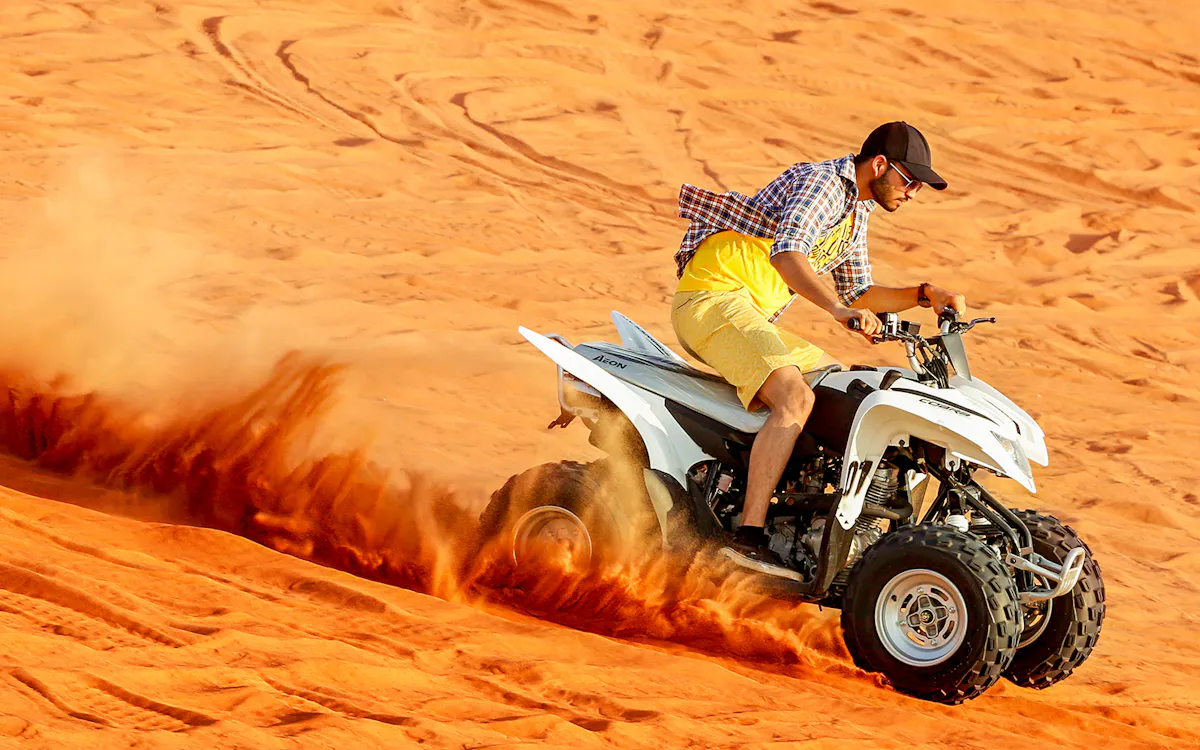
{"points": [[676, 380]]}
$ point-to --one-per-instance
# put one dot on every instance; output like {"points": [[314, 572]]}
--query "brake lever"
{"points": [[968, 326]]}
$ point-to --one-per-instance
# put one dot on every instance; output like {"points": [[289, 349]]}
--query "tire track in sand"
{"points": [[340, 705], [125, 707], [20, 611], [256, 86], [26, 678], [328, 703], [107, 703], [285, 58], [28, 583]]}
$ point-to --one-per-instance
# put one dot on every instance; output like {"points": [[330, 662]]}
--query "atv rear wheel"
{"points": [[934, 611], [1060, 633], [558, 511]]}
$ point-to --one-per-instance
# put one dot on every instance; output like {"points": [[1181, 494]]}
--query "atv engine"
{"points": [[796, 518]]}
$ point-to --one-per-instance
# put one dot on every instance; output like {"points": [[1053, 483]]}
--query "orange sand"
{"points": [[192, 192]]}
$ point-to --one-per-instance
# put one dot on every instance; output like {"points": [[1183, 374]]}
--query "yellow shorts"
{"points": [[726, 331]]}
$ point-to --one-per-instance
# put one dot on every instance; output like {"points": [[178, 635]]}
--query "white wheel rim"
{"points": [[921, 617], [1036, 617], [549, 526]]}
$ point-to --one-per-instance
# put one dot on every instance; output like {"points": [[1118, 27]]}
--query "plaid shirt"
{"points": [[797, 210]]}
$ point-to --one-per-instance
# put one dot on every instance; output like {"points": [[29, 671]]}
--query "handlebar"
{"points": [[897, 330], [931, 358]]}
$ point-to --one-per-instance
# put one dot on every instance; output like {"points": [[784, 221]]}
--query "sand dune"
{"points": [[389, 189]]}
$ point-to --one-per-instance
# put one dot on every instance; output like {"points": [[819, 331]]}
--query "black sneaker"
{"points": [[749, 549]]}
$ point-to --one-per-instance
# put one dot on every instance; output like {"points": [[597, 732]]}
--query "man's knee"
{"points": [[788, 396]]}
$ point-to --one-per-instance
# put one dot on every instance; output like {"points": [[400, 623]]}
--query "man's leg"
{"points": [[731, 335], [791, 401]]}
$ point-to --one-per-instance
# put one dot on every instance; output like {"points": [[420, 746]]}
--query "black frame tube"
{"points": [[1026, 547]]}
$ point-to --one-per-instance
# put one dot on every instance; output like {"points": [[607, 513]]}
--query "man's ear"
{"points": [[879, 164]]}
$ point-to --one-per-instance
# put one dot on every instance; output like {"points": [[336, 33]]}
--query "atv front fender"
{"points": [[887, 418]]}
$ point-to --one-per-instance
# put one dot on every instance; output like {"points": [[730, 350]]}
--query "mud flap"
{"points": [[684, 525], [835, 548]]}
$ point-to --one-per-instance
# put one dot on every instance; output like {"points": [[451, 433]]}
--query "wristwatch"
{"points": [[923, 298]]}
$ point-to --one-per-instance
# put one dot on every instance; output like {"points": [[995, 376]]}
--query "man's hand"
{"points": [[868, 324], [940, 299]]}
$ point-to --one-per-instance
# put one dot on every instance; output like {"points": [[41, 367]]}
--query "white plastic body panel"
{"points": [[1032, 438], [669, 448], [716, 399], [633, 336], [887, 418]]}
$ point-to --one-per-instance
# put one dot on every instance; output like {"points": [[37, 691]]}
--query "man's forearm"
{"points": [[802, 280], [799, 276], [883, 299]]}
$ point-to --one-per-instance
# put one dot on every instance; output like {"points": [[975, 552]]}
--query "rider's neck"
{"points": [[863, 174]]}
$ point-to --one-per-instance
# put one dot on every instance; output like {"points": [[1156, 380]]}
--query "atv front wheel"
{"points": [[934, 611], [1059, 633]]}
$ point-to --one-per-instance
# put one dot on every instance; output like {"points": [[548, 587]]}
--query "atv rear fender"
{"points": [[669, 449]]}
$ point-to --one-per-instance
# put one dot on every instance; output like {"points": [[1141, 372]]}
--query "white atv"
{"points": [[943, 598]]}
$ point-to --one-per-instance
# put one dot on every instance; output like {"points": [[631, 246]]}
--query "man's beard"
{"points": [[882, 192]]}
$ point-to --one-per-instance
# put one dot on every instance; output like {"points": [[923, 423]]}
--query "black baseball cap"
{"points": [[903, 143]]}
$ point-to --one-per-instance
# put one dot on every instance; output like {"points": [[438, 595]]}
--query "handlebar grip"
{"points": [[854, 324]]}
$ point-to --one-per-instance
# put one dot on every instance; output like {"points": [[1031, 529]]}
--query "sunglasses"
{"points": [[911, 184]]}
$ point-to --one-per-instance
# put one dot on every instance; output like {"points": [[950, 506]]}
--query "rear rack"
{"points": [[570, 411]]}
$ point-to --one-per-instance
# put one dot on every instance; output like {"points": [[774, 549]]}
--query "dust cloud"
{"points": [[112, 379]]}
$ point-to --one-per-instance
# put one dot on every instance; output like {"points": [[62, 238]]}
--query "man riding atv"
{"points": [[744, 259], [942, 597]]}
